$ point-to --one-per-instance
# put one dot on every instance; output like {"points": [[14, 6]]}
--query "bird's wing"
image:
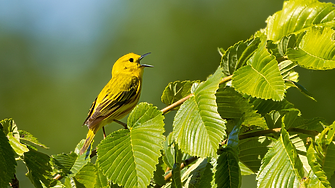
{"points": [[91, 110], [114, 99]]}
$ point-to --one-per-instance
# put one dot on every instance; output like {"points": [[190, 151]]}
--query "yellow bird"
{"points": [[118, 97]]}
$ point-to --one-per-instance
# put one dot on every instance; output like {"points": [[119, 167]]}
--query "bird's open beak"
{"points": [[142, 56]]}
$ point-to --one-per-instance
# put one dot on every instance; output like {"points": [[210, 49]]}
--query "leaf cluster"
{"points": [[237, 122]]}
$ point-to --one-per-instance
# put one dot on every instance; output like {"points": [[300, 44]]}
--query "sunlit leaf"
{"points": [[16, 145], [177, 90], [312, 157], [198, 127], [86, 177], [26, 136], [281, 166], [237, 55], [7, 160], [297, 16], [39, 168], [231, 104], [128, 157], [316, 49], [261, 78]]}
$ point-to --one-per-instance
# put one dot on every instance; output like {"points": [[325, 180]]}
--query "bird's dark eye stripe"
{"points": [[131, 60]]}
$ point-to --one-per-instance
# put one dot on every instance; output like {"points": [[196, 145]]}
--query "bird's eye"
{"points": [[131, 60]]}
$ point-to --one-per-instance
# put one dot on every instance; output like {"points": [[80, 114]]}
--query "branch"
{"points": [[188, 161], [181, 101]]}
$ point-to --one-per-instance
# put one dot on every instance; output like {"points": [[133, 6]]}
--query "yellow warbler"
{"points": [[118, 97]]}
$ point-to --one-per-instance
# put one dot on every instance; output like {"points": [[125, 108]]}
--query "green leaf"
{"points": [[86, 177], [316, 49], [198, 127], [312, 157], [281, 166], [231, 104], [159, 173], [265, 106], [252, 151], [195, 175], [101, 180], [286, 70], [24, 135], [177, 90], [237, 55], [10, 127], [39, 168], [7, 160], [261, 78], [297, 16], [228, 173], [176, 176], [128, 157], [64, 162], [16, 145]]}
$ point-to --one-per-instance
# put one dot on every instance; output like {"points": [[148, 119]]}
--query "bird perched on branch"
{"points": [[118, 97]]}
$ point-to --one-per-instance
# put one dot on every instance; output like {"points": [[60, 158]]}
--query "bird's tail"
{"points": [[88, 141]]}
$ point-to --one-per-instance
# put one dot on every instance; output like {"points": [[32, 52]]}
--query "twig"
{"points": [[181, 101]]}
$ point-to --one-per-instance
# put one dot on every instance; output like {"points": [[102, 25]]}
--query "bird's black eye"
{"points": [[131, 60]]}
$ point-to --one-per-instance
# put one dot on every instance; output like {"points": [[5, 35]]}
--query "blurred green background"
{"points": [[55, 57]]}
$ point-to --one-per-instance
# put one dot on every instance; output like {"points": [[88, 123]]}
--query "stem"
{"points": [[175, 104], [181, 101]]}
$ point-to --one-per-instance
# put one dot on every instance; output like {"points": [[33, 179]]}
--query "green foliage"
{"points": [[128, 157], [199, 115], [244, 98]]}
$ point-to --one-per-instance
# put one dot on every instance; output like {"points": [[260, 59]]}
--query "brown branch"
{"points": [[181, 101], [175, 104]]}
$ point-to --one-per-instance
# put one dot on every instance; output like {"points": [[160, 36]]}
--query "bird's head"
{"points": [[130, 64]]}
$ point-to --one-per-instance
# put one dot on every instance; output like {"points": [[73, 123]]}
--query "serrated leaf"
{"points": [[64, 162], [292, 119], [261, 78], [298, 15], [7, 160], [193, 176], [101, 180], [237, 55], [281, 166], [177, 90], [128, 157], [252, 150], [80, 161], [159, 173], [265, 106], [16, 145], [316, 49], [198, 127], [286, 70], [231, 104], [86, 177], [312, 157], [228, 173], [176, 176], [10, 127], [24, 135], [39, 168]]}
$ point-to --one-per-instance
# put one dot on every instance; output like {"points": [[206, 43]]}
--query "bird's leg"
{"points": [[121, 123], [103, 130]]}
